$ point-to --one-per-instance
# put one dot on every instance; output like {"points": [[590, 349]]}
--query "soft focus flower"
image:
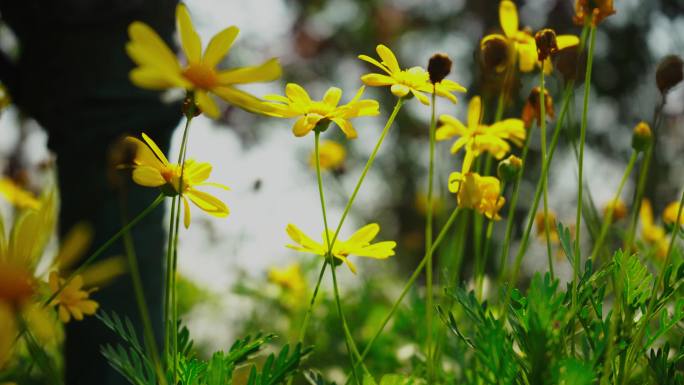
{"points": [[17, 283], [540, 224], [358, 244], [596, 9], [522, 48], [8, 332], [17, 196], [158, 68], [481, 193], [331, 156], [5, 99], [414, 80], [478, 137], [72, 301], [290, 278], [618, 207], [670, 214], [532, 109], [652, 234], [669, 73], [310, 113], [152, 169]]}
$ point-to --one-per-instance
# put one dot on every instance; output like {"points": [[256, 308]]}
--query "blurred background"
{"points": [[225, 262]]}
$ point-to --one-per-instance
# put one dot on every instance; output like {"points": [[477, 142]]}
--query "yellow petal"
{"points": [[190, 40], [197, 172], [156, 50], [208, 203], [376, 63], [332, 96], [153, 146], [241, 99], [508, 17], [152, 79], [364, 235], [219, 45], [474, 112], [268, 71], [346, 127], [527, 56], [377, 80], [388, 58], [304, 240], [187, 216], [148, 176], [302, 127], [207, 104], [565, 41], [297, 94]]}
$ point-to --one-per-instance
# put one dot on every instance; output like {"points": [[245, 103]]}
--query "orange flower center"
{"points": [[201, 75]]}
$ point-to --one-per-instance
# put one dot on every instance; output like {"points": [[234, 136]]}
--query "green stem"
{"points": [[167, 283], [608, 219], [580, 165], [428, 244], [410, 282], [309, 310], [545, 184]]}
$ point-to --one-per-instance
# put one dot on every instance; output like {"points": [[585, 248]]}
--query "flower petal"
{"points": [[157, 151], [206, 104], [388, 58], [208, 203], [332, 96], [241, 99], [346, 127], [474, 112], [219, 45], [190, 40], [377, 80], [508, 17], [148, 176], [297, 94], [268, 71], [364, 235], [376, 63], [187, 217], [565, 41]]}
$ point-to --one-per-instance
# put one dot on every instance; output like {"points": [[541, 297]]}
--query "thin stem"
{"points": [[428, 244], [545, 184], [608, 219], [410, 282], [580, 165], [309, 310], [167, 283]]}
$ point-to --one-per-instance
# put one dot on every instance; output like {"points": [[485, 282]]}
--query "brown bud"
{"points": [[494, 54], [532, 108], [597, 10], [669, 73], [546, 43], [439, 67]]}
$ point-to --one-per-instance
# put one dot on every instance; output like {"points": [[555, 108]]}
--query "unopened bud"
{"points": [[532, 108], [642, 136], [509, 168], [669, 73], [439, 67], [546, 43], [494, 53], [190, 109]]}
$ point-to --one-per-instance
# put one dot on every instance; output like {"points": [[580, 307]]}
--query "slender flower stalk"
{"points": [[542, 127], [608, 219], [580, 163], [428, 241]]}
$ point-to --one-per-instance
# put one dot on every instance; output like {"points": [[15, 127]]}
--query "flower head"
{"points": [[289, 278], [597, 10], [152, 169], [159, 69], [414, 80], [670, 214], [359, 244], [532, 109], [477, 137], [481, 193], [72, 301], [310, 113], [540, 224], [331, 156]]}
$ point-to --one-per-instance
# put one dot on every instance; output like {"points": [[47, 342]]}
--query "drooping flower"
{"points": [[670, 214], [72, 300], [331, 156], [596, 9], [18, 196], [481, 193], [522, 48], [152, 169], [477, 137], [414, 80], [159, 69], [310, 113], [359, 244]]}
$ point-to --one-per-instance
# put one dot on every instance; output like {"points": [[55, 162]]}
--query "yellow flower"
{"points": [[152, 169], [670, 214], [310, 113], [540, 224], [331, 155], [158, 68], [289, 278], [8, 332], [478, 137], [72, 301], [618, 208], [521, 44], [18, 196], [596, 9], [414, 80], [481, 193], [358, 244]]}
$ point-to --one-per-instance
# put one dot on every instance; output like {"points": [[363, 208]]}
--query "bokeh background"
{"points": [[224, 262]]}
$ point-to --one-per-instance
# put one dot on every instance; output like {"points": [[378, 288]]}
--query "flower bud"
{"points": [[532, 108], [494, 53], [642, 136], [546, 43], [509, 168], [597, 10], [439, 67], [189, 110], [669, 73]]}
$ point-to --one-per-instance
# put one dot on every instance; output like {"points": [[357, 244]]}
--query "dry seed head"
{"points": [[439, 67], [669, 73], [546, 43]]}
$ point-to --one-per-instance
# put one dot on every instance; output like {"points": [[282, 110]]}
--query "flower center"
{"points": [[201, 75]]}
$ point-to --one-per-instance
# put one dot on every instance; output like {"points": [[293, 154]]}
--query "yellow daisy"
{"points": [[481, 193], [72, 301], [358, 244], [414, 80], [477, 137], [152, 169], [310, 113], [159, 69]]}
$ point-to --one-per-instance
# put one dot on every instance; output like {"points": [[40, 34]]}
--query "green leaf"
{"points": [[278, 368], [636, 280]]}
